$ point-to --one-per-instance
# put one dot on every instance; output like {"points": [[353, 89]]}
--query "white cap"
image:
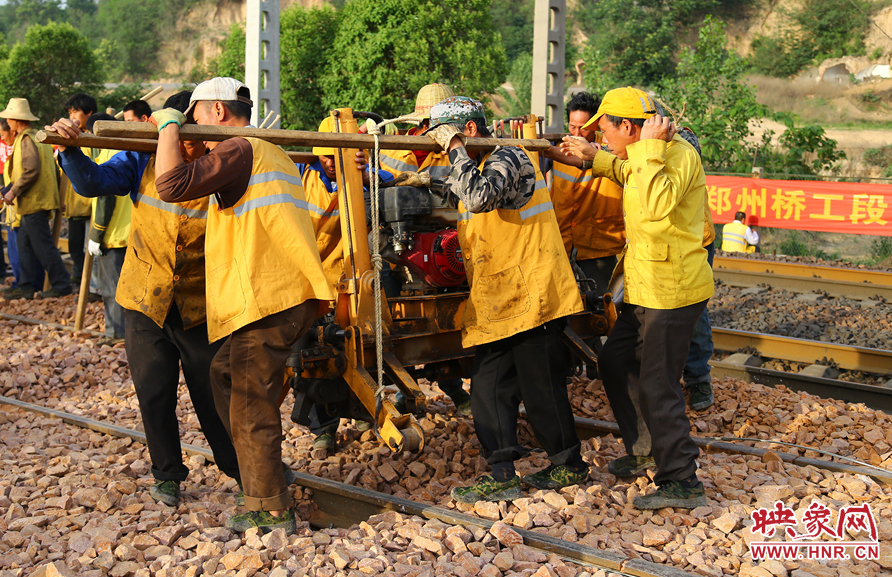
{"points": [[220, 88]]}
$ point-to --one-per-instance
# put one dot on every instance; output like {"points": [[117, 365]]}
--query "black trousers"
{"points": [[155, 354], [531, 367], [35, 244], [641, 367], [77, 236]]}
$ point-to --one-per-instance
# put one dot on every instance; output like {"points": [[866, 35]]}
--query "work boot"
{"points": [[556, 476], [630, 465], [688, 494], [325, 441], [700, 395], [264, 521], [464, 409], [53, 294], [18, 293], [488, 489], [167, 492]]}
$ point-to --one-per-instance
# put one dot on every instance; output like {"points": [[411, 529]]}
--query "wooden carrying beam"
{"points": [[134, 144], [141, 130]]}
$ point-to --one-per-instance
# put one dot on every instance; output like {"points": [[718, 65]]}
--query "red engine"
{"points": [[436, 257]]}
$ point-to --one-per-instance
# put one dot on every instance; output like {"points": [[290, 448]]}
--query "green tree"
{"points": [[519, 102], [231, 60], [130, 27], [386, 50], [53, 61], [307, 36], [514, 21]]}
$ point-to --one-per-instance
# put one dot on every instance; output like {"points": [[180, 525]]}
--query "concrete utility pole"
{"points": [[549, 41], [262, 58]]}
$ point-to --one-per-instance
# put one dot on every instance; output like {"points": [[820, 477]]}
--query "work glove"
{"points": [[443, 135], [418, 179], [94, 248], [164, 117]]}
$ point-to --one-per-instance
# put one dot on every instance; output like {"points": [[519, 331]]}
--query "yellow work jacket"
{"points": [[165, 256], [589, 212], [10, 217], [664, 201], [517, 268], [708, 228], [118, 229], [261, 253], [73, 204], [399, 161], [324, 213], [44, 194], [734, 237]]}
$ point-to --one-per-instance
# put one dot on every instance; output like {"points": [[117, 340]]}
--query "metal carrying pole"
{"points": [[141, 130]]}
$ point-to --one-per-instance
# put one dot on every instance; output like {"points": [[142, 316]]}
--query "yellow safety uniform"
{"points": [[44, 194], [118, 229], [734, 237], [74, 205], [325, 215], [10, 217], [664, 260], [708, 228], [517, 268], [165, 256], [399, 161], [261, 253], [589, 212]]}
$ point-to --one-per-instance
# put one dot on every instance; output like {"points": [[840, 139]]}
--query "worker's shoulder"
{"points": [[512, 156]]}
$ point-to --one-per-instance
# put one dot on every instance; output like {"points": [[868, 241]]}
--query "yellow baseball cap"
{"points": [[625, 102], [326, 126]]}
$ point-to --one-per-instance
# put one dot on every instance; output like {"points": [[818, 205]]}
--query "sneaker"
{"points": [[324, 441], [630, 465], [488, 489], [556, 476], [264, 521], [673, 494], [53, 293], [167, 492], [464, 409], [18, 293], [700, 395]]}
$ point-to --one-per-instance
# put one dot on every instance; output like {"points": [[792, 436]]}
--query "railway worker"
{"points": [[34, 194], [738, 237], [588, 209], [321, 187], [162, 291], [137, 111], [522, 288], [437, 165], [265, 282], [667, 283]]}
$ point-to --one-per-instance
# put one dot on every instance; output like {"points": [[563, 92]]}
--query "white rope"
{"points": [[377, 264]]}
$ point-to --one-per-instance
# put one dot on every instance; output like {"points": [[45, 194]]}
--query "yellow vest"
{"points": [[589, 211], [44, 195], [664, 260], [517, 268], [324, 213], [119, 227], [74, 205], [261, 253], [10, 217], [399, 161], [733, 237], [165, 256]]}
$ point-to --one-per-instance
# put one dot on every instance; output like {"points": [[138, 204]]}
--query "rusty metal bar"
{"points": [[838, 288], [803, 270]]}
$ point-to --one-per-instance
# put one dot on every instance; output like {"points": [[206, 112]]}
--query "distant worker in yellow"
{"points": [[265, 283], [589, 209], [738, 237]]}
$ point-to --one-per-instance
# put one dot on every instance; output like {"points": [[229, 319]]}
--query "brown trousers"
{"points": [[247, 375]]}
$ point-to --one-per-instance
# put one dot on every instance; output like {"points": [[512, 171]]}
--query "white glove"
{"points": [[93, 248]]}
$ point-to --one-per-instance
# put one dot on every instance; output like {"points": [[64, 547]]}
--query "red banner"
{"points": [[853, 208]]}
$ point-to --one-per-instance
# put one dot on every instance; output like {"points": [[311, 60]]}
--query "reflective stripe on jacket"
{"points": [[664, 202], [517, 268], [165, 256], [734, 237], [589, 211], [261, 254], [44, 194]]}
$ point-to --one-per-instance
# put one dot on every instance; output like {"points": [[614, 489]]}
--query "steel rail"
{"points": [[343, 505], [52, 325], [837, 288], [804, 270], [846, 357]]}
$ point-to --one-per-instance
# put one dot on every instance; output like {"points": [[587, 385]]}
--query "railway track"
{"points": [[835, 281]]}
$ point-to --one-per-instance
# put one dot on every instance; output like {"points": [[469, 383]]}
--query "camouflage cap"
{"points": [[457, 110]]}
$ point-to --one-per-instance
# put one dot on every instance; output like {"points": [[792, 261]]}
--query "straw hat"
{"points": [[18, 109], [427, 97]]}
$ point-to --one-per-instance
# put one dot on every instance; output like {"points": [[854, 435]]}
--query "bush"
{"points": [[881, 248]]}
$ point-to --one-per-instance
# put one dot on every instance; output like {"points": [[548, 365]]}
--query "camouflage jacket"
{"points": [[507, 180]]}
